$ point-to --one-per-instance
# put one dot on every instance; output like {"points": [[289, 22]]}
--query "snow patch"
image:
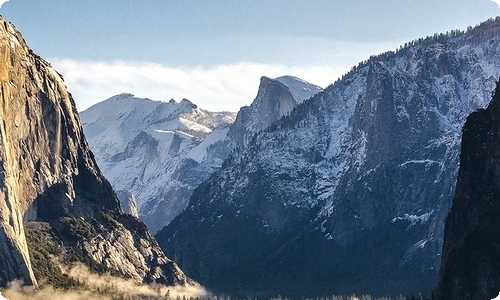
{"points": [[413, 219], [422, 161]]}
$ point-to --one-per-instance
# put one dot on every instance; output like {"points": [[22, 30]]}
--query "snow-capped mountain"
{"points": [[157, 152], [151, 151], [349, 192]]}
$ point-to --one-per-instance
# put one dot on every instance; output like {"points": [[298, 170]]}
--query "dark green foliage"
{"points": [[45, 251], [78, 229], [110, 220]]}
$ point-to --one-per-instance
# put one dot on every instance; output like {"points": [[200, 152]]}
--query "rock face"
{"points": [[275, 99], [160, 152], [48, 175], [470, 267], [348, 193]]}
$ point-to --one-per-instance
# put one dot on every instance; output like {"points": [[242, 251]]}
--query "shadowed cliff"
{"points": [[471, 252]]}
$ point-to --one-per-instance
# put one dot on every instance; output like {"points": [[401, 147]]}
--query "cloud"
{"points": [[497, 2], [222, 87], [1, 3]]}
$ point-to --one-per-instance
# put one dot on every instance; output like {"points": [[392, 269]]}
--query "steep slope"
{"points": [[160, 152], [349, 193], [49, 182], [275, 99], [471, 253]]}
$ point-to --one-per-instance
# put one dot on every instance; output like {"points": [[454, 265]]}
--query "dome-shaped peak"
{"points": [[301, 89]]}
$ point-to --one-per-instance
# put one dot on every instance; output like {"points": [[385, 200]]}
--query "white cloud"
{"points": [[1, 3], [497, 2], [223, 87]]}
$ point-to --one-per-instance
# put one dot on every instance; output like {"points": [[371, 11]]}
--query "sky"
{"points": [[213, 52]]}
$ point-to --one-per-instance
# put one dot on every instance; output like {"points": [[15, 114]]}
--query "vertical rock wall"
{"points": [[48, 174]]}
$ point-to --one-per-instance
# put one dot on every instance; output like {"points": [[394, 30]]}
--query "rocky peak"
{"points": [[274, 100], [188, 103], [48, 175], [470, 266]]}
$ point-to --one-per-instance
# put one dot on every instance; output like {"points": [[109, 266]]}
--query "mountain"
{"points": [[275, 99], [155, 152], [471, 254], [56, 207], [349, 192], [158, 152]]}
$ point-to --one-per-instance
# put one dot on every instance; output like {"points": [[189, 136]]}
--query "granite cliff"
{"points": [[470, 266], [51, 187]]}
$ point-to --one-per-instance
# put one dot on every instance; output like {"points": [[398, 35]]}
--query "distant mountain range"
{"points": [[156, 153], [350, 190]]}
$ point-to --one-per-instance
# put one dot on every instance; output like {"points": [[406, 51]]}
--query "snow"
{"points": [[414, 219], [199, 152], [140, 144], [420, 161], [426, 97], [300, 89]]}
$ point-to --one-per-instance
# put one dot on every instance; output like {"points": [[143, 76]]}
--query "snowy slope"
{"points": [[300, 89], [348, 193], [157, 152], [142, 145]]}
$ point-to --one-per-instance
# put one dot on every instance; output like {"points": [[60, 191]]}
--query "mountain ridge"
{"points": [[162, 173], [369, 163]]}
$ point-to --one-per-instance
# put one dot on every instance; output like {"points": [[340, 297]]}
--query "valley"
{"points": [[383, 183]]}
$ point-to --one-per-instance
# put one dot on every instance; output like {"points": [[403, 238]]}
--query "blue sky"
{"points": [[213, 52]]}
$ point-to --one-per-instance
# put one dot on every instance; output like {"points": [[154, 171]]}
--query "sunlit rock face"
{"points": [[48, 175], [471, 255]]}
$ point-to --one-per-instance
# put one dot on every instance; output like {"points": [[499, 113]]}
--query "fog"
{"points": [[101, 287]]}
